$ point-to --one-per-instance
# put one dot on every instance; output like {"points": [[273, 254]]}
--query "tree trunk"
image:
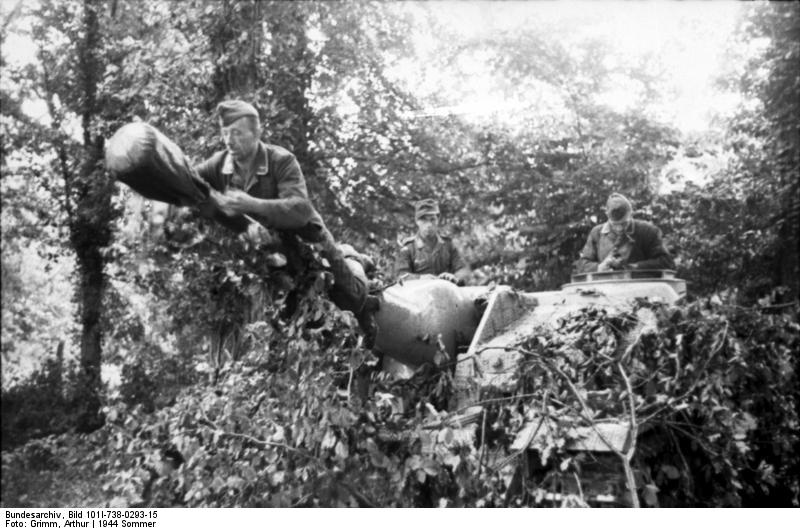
{"points": [[788, 259], [240, 71], [292, 66], [90, 226], [91, 288]]}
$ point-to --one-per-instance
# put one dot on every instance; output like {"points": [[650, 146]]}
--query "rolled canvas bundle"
{"points": [[151, 164]]}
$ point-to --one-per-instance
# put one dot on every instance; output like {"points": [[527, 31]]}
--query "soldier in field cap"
{"points": [[623, 242], [259, 179], [429, 252], [232, 110], [265, 182]]}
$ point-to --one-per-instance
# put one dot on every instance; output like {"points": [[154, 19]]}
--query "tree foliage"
{"points": [[307, 421], [240, 384], [759, 188]]}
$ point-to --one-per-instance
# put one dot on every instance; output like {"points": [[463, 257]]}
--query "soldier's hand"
{"points": [[236, 200], [448, 276], [609, 264], [258, 235], [214, 204], [217, 201]]}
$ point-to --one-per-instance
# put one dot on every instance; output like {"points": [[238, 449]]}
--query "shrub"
{"points": [[39, 405]]}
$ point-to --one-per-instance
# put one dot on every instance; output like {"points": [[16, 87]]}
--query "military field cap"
{"points": [[618, 207], [231, 110], [425, 207]]}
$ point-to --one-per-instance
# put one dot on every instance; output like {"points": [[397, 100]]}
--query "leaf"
{"points": [[118, 502], [217, 484], [452, 460], [414, 463], [650, 495], [249, 474], [341, 450], [671, 472], [328, 440], [748, 422], [430, 466], [446, 436], [235, 483], [277, 478]]}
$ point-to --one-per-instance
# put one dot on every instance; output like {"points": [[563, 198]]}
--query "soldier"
{"points": [[428, 252], [265, 182], [257, 179], [623, 242]]}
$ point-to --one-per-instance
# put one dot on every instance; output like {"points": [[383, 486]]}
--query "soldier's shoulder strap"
{"points": [[448, 240], [408, 248]]}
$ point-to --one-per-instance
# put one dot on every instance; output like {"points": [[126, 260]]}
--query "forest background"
{"points": [[117, 314]]}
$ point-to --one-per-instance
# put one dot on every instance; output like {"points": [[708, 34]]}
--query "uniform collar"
{"points": [[420, 243], [607, 228], [262, 160]]}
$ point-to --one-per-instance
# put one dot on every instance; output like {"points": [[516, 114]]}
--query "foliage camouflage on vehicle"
{"points": [[306, 420], [520, 200]]}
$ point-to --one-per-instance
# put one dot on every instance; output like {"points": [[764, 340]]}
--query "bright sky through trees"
{"points": [[684, 41]]}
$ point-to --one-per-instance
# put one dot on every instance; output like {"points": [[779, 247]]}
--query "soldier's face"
{"points": [[619, 227], [428, 224], [240, 138]]}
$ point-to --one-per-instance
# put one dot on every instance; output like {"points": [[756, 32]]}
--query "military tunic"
{"points": [[415, 257], [638, 247], [277, 177]]}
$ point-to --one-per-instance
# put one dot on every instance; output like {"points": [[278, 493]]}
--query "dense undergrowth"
{"points": [[291, 410], [307, 419]]}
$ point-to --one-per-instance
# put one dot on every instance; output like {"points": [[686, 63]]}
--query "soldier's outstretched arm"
{"points": [[291, 213]]}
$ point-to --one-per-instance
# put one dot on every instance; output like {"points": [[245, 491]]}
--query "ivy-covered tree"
{"points": [[773, 78], [59, 159], [70, 85]]}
